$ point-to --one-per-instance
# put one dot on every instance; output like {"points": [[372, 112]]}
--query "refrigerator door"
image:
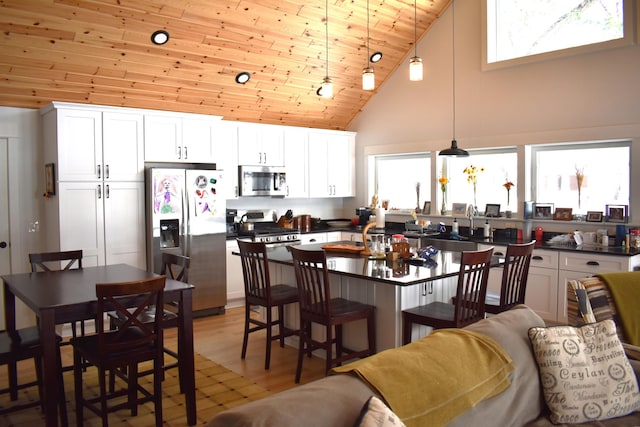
{"points": [[206, 203]]}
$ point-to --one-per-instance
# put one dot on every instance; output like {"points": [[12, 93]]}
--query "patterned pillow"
{"points": [[376, 414], [584, 372]]}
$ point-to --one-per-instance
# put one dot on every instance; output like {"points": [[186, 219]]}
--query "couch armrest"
{"points": [[632, 351]]}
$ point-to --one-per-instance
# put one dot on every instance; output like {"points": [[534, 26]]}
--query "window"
{"points": [[495, 168], [520, 28], [605, 169], [404, 180]]}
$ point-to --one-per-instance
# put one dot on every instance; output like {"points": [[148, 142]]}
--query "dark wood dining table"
{"points": [[64, 296]]}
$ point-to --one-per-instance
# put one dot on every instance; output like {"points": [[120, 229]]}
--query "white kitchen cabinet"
{"points": [[235, 279], [296, 162], [260, 145], [308, 238], [90, 144], [351, 236], [172, 137], [227, 157], [331, 164], [105, 220], [334, 236]]}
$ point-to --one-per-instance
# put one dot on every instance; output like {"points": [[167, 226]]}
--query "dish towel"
{"points": [[431, 381]]}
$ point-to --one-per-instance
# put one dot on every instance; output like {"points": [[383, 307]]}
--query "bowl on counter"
{"points": [[339, 223]]}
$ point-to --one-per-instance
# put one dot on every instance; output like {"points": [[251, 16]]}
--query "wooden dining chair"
{"points": [[175, 267], [469, 304], [24, 344], [317, 306], [132, 343], [258, 291], [514, 279]]}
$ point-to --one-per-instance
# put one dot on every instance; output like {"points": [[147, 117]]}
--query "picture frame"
{"points": [[563, 214], [492, 210], [617, 213], [459, 209], [426, 208], [594, 216], [49, 180], [543, 211]]}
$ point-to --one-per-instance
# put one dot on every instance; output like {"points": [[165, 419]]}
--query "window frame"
{"points": [[631, 20], [375, 158]]}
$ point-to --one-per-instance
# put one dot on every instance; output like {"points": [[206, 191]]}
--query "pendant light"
{"points": [[327, 85], [368, 79], [454, 151], [415, 63]]}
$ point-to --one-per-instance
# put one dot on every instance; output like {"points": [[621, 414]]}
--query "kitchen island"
{"points": [[391, 288]]}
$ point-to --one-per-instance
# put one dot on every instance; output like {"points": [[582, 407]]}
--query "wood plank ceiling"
{"points": [[100, 52]]}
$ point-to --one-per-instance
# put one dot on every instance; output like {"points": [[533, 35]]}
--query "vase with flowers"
{"points": [[579, 179], [508, 185], [472, 172], [443, 180]]}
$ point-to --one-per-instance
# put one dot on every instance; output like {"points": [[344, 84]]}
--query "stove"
{"points": [[268, 231]]}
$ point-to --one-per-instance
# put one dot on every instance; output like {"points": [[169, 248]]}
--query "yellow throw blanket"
{"points": [[431, 381], [624, 288]]}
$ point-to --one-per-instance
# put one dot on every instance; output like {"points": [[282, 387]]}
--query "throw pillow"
{"points": [[584, 372], [376, 414]]}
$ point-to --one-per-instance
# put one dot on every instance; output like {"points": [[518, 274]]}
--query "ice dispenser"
{"points": [[169, 233]]}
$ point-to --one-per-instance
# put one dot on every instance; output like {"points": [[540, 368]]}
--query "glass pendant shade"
{"points": [[327, 88], [368, 79], [415, 69]]}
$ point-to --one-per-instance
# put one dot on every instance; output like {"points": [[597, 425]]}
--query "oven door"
{"points": [[262, 181]]}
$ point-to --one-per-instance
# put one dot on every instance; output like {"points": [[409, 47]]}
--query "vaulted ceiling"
{"points": [[100, 52]]}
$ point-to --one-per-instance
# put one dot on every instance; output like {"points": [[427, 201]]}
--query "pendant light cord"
{"points": [[453, 61], [415, 31], [368, 56], [326, 32]]}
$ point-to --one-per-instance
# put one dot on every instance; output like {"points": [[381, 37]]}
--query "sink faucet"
{"points": [[471, 212]]}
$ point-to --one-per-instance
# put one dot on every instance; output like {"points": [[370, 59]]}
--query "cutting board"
{"points": [[343, 247]]}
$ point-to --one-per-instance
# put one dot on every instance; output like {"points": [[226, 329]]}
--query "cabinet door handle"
{"points": [[107, 191], [186, 154], [99, 171], [537, 257], [424, 289], [99, 191], [179, 152], [312, 240], [106, 171], [498, 254], [593, 263], [265, 157]]}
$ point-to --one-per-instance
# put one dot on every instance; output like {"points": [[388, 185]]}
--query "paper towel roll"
{"points": [[380, 217]]}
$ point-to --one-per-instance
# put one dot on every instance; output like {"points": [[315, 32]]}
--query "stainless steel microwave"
{"points": [[262, 181]]}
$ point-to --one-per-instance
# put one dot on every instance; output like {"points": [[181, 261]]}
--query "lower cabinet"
{"points": [[235, 280]]}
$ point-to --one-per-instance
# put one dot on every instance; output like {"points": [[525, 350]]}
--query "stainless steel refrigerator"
{"points": [[186, 215]]}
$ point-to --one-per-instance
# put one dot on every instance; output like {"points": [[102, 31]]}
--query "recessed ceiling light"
{"points": [[160, 37], [243, 77], [375, 57]]}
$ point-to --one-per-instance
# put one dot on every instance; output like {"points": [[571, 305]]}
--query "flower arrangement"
{"points": [[443, 180], [472, 172], [579, 178], [508, 185]]}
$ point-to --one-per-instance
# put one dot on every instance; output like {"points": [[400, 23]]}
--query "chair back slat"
{"points": [[312, 278], [515, 274], [255, 270], [53, 261], [132, 333], [175, 266], [472, 286]]}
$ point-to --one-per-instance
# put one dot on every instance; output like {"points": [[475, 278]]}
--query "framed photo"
{"points": [[563, 214], [594, 216], [49, 180], [543, 210], [426, 208], [459, 209], [617, 213], [492, 211]]}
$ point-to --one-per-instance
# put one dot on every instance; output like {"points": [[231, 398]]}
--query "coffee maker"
{"points": [[231, 221], [363, 215]]}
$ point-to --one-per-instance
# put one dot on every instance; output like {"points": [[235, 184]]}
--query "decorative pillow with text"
{"points": [[584, 372], [376, 414]]}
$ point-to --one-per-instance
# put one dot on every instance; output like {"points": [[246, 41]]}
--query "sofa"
{"points": [[339, 399]]}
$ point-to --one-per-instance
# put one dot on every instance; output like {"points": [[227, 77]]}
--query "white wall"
{"points": [[594, 96]]}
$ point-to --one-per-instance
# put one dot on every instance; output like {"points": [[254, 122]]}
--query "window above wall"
{"points": [[521, 31]]}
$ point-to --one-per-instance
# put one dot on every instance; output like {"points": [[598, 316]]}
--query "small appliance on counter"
{"points": [[363, 213]]}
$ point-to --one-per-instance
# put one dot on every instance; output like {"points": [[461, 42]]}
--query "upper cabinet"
{"points": [[331, 164], [260, 145], [296, 161], [174, 137], [227, 149], [91, 145]]}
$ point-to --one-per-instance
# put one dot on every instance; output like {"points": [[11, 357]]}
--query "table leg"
{"points": [[50, 366], [186, 360]]}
